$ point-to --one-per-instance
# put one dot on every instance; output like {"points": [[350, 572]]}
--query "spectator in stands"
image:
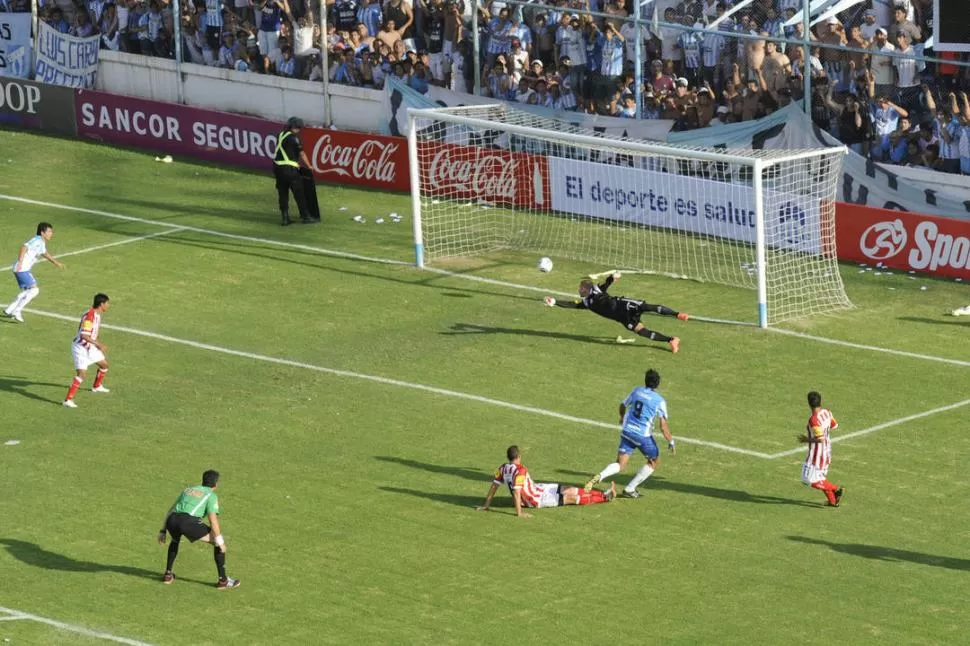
{"points": [[227, 52], [885, 117], [907, 79], [110, 34], [902, 24], [95, 10], [399, 12], [853, 121], [287, 64], [213, 22], [82, 25], [270, 19], [882, 66], [370, 15], [418, 78], [946, 129]]}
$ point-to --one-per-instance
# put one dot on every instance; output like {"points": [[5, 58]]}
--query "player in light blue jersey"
{"points": [[30, 253], [638, 412]]}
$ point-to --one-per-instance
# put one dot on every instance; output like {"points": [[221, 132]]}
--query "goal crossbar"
{"points": [[767, 157]]}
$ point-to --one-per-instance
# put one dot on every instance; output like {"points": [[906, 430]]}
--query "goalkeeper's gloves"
{"points": [[550, 301]]}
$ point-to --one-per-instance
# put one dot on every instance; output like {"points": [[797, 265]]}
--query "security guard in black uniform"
{"points": [[286, 169]]}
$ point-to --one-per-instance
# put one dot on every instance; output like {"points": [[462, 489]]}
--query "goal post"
{"points": [[488, 178]]}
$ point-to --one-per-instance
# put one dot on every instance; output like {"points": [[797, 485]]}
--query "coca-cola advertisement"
{"points": [[176, 129], [488, 174], [373, 161], [904, 240]]}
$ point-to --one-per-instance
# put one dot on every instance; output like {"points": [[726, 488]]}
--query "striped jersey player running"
{"points": [[87, 349], [816, 467], [527, 493]]}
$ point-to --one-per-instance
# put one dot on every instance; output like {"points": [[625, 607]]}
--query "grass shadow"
{"points": [[733, 495], [20, 387], [36, 556], [252, 250], [476, 475], [943, 320], [459, 500], [888, 554], [472, 328]]}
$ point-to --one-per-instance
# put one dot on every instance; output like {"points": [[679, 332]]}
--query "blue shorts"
{"points": [[646, 445], [25, 279]]}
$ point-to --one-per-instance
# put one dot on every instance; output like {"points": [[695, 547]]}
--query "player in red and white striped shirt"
{"points": [[528, 493], [87, 349], [816, 467]]}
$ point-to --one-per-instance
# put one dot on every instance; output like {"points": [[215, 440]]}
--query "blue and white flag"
{"points": [[15, 45], [66, 60]]}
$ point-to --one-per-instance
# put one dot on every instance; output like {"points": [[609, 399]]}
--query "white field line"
{"points": [[74, 628], [861, 346], [879, 427], [443, 272], [78, 252], [389, 382]]}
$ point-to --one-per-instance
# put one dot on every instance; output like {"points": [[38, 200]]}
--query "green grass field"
{"points": [[364, 405]]}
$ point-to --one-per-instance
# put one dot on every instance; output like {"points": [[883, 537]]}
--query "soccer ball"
{"points": [[545, 264]]}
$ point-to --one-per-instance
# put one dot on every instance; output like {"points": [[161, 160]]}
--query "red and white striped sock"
{"points": [[73, 389]]}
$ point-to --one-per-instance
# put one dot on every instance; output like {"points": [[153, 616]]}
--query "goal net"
{"points": [[492, 177]]}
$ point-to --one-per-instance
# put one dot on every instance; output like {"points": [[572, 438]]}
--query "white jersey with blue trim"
{"points": [[36, 247], [643, 406]]}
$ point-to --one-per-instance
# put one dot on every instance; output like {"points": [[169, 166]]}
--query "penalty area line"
{"points": [[879, 427], [74, 628], [389, 382], [450, 274]]}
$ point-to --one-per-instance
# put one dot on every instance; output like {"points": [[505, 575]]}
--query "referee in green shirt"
{"points": [[185, 519]]}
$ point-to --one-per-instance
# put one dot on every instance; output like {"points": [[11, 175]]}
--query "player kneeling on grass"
{"points": [[637, 413], [86, 350], [527, 493], [185, 519], [624, 311], [816, 467]]}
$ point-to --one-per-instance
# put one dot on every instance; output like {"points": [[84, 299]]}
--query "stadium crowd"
{"points": [[548, 53]]}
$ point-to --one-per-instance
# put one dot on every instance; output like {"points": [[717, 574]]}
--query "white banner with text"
{"points": [[15, 45], [664, 200], [66, 60]]}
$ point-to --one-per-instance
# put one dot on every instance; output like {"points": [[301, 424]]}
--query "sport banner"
{"points": [[371, 161], [15, 45], [905, 241], [176, 129], [66, 60], [35, 106]]}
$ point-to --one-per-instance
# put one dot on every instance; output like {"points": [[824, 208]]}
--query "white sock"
{"points": [[12, 308], [610, 470], [638, 479], [25, 297]]}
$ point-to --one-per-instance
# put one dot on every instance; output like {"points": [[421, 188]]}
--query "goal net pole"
{"points": [[487, 178]]}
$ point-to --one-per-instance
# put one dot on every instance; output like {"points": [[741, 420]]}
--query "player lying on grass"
{"points": [[815, 470], [637, 413], [527, 493], [185, 519], [624, 311]]}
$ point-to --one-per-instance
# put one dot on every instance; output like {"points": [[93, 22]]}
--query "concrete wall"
{"points": [[270, 97]]}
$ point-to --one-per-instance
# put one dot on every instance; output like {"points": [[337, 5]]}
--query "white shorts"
{"points": [[549, 494], [812, 474], [84, 357], [267, 41], [440, 66]]}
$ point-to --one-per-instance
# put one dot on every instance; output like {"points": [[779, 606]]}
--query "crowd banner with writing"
{"points": [[66, 60], [15, 45], [175, 129], [905, 241], [398, 97], [863, 182], [35, 106]]}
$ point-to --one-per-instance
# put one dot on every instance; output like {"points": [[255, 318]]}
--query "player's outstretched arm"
{"points": [[488, 498], [54, 261], [665, 429], [569, 305]]}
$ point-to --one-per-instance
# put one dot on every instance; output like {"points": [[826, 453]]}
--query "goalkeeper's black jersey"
{"points": [[598, 301]]}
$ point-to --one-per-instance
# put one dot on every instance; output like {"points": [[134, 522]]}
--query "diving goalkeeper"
{"points": [[624, 311]]}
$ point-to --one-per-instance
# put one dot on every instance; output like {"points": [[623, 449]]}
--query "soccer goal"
{"points": [[492, 177]]}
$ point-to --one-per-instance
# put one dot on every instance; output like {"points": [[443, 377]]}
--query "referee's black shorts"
{"points": [[192, 528]]}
